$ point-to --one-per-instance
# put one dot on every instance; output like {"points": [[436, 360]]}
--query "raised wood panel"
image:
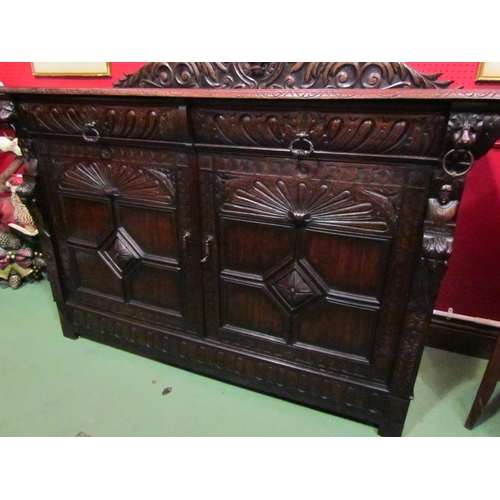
{"points": [[87, 221], [343, 328], [92, 273], [155, 286], [154, 231], [250, 247], [348, 263], [248, 307]]}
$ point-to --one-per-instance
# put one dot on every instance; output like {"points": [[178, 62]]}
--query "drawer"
{"points": [[331, 128], [93, 121]]}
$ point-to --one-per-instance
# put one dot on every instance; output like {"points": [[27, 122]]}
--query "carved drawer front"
{"points": [[365, 131], [309, 258], [121, 231], [95, 121]]}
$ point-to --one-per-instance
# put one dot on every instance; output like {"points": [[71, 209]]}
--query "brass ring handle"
{"points": [[90, 133], [457, 174], [209, 241], [301, 137]]}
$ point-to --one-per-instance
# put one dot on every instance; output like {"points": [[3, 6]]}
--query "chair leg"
{"points": [[487, 386]]}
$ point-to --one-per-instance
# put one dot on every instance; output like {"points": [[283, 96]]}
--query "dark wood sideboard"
{"points": [[280, 226]]}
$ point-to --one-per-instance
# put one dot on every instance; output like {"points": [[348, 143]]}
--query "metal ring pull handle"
{"points": [[90, 133], [185, 239], [457, 152], [301, 138], [209, 241]]}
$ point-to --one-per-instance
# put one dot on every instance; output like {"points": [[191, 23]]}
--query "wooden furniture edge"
{"points": [[411, 94], [462, 337]]}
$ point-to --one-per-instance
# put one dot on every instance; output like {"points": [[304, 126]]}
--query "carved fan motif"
{"points": [[300, 204], [120, 180]]}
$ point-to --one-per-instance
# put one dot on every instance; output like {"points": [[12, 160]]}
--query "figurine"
{"points": [[443, 209], [23, 221]]}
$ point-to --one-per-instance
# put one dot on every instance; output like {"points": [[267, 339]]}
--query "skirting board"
{"points": [[463, 337]]}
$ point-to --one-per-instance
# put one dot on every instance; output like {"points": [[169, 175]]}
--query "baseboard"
{"points": [[463, 337]]}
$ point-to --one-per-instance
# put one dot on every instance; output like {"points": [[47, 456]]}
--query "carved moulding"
{"points": [[148, 123], [339, 131], [280, 75], [315, 387]]}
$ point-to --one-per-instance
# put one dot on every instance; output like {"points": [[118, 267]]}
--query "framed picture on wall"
{"points": [[488, 72], [71, 69]]}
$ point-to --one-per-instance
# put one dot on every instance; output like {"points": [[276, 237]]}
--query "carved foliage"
{"points": [[339, 131], [166, 123], [280, 75]]}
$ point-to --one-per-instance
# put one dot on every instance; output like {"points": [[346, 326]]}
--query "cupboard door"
{"points": [[123, 224], [310, 261]]}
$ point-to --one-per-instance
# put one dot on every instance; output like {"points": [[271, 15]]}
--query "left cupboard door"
{"points": [[122, 223]]}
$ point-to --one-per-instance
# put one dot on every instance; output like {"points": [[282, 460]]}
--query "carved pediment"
{"points": [[280, 75]]}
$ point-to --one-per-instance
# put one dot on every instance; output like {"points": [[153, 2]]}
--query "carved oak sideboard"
{"points": [[280, 226]]}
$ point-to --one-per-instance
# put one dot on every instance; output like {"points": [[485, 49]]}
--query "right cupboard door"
{"points": [[311, 261]]}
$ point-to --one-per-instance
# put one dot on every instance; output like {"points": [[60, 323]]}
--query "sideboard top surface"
{"points": [[376, 94]]}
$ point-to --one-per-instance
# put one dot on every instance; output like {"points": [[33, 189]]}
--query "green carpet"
{"points": [[53, 386]]}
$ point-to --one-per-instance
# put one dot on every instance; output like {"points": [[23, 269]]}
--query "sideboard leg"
{"points": [[68, 328], [394, 417]]}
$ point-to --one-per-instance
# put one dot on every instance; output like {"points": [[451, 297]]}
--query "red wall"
{"points": [[19, 74], [472, 284]]}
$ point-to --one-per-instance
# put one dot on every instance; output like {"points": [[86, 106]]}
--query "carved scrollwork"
{"points": [[280, 75]]}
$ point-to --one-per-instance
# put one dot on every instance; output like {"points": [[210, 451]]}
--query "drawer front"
{"points": [[93, 121], [343, 130], [121, 233]]}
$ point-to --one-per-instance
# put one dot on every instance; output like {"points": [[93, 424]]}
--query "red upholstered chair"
{"points": [[487, 386]]}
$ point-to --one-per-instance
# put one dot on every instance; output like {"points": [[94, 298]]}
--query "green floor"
{"points": [[53, 386]]}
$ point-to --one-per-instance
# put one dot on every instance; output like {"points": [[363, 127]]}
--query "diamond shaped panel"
{"points": [[296, 284], [120, 254]]}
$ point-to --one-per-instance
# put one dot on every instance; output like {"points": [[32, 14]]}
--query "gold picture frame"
{"points": [[71, 68], [488, 72]]}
